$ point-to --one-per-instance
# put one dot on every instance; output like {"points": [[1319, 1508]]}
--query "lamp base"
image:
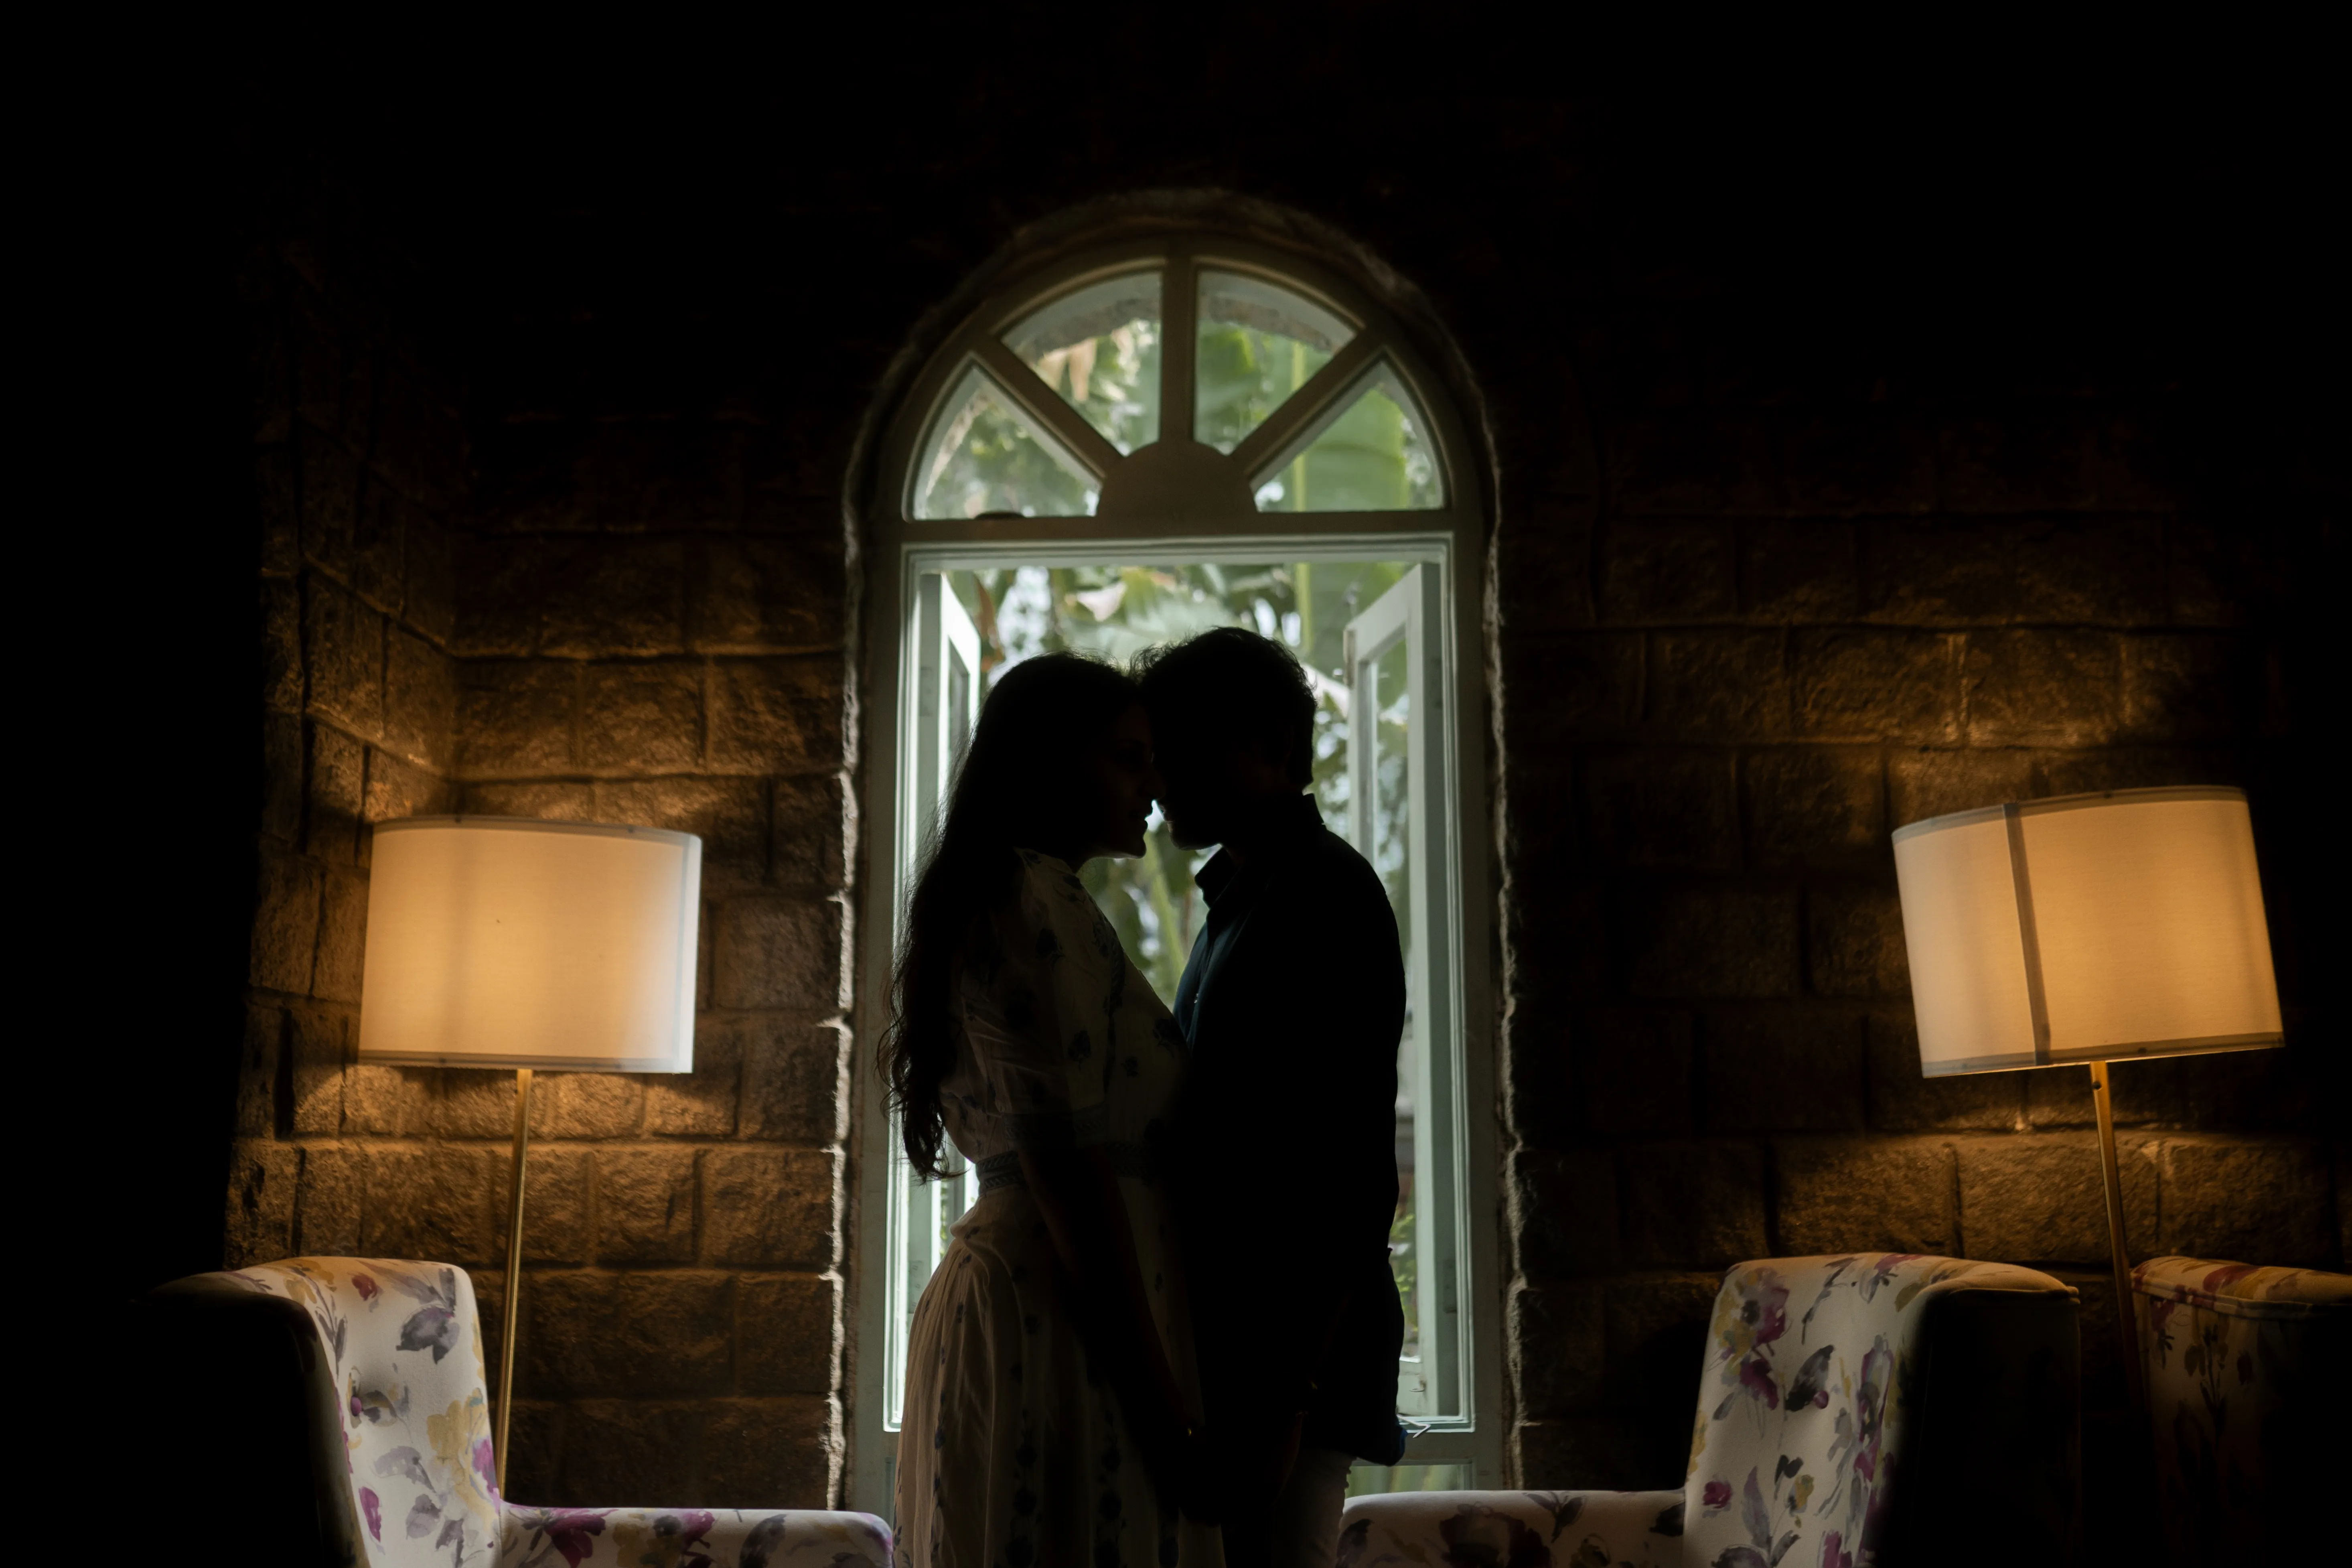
{"points": [[2118, 1258]]}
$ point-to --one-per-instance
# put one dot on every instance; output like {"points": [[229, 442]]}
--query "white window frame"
{"points": [[1412, 613], [1453, 844]]}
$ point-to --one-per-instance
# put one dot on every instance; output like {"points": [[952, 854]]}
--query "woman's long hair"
{"points": [[1019, 784]]}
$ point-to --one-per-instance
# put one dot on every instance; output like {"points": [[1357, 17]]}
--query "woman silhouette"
{"points": [[1050, 1409]]}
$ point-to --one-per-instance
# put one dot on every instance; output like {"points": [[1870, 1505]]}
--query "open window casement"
{"points": [[938, 727], [1396, 775], [947, 705]]}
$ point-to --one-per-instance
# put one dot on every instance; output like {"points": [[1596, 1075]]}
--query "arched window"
{"points": [[1181, 385], [1142, 441]]}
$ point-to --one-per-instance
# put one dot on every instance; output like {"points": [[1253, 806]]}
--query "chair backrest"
{"points": [[2248, 1378], [1885, 1406], [401, 1349]]}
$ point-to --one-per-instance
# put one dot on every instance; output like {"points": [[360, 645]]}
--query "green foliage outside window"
{"points": [[1115, 613], [989, 461]]}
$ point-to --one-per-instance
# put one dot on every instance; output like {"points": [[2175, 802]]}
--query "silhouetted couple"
{"points": [[1170, 1307]]}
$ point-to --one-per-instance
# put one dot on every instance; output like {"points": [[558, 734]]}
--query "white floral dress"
{"points": [[1013, 1454]]}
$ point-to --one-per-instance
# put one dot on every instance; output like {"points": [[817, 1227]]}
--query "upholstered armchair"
{"points": [[388, 1358], [1874, 1407], [2248, 1379]]}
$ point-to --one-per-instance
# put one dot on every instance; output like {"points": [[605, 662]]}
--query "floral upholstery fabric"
{"points": [[1589, 1530], [1811, 1443], [400, 1375], [689, 1538], [2247, 1383]]}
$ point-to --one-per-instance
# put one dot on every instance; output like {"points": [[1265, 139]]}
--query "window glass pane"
{"points": [[1389, 848], [1376, 456], [935, 727], [1375, 1481], [1258, 343], [1117, 611], [923, 1214], [1100, 348], [984, 457], [1392, 804], [1364, 781]]}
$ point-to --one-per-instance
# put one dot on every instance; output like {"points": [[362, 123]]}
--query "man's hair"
{"points": [[1228, 688]]}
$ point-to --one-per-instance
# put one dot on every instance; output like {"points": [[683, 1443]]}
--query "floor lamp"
{"points": [[501, 943], [2084, 930]]}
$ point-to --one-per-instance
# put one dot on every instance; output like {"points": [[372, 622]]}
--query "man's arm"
{"points": [[1326, 1032], [1323, 1034]]}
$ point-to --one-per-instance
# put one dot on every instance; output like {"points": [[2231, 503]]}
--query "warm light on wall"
{"points": [[495, 942], [2083, 930]]}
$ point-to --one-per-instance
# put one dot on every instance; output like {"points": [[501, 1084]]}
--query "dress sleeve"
{"points": [[1058, 995]]}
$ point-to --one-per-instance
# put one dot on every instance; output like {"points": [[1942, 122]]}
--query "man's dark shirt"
{"points": [[1294, 1002]]}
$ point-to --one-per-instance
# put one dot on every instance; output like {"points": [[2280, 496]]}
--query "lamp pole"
{"points": [[2118, 1258], [514, 1268]]}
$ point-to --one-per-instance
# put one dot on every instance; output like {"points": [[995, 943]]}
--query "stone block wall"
{"points": [[1792, 625], [676, 655], [554, 644], [359, 454]]}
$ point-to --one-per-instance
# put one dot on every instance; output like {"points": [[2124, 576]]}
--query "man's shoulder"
{"points": [[1330, 871], [1331, 855]]}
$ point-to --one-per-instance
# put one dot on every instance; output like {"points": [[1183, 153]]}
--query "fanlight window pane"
{"points": [[1378, 455], [984, 456], [1100, 348], [1258, 343]]}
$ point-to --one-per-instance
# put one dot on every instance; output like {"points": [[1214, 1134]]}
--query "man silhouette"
{"points": [[1284, 1167]]}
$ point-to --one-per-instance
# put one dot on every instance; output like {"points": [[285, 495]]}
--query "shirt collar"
{"points": [[1288, 821]]}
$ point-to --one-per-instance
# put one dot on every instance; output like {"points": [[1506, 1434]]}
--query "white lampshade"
{"points": [[2087, 928], [495, 942]]}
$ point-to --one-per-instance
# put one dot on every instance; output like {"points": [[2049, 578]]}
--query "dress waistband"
{"points": [[1131, 1160]]}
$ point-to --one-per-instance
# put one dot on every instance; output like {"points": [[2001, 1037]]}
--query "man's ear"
{"points": [[1268, 752], [1276, 751]]}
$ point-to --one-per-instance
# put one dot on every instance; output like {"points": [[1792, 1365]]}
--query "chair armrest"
{"points": [[1643, 1529], [690, 1537], [283, 1422]]}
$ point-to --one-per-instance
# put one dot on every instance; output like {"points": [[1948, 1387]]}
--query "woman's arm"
{"points": [[1077, 1193]]}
